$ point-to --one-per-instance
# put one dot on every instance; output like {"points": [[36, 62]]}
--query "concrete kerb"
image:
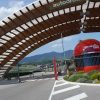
{"points": [[84, 84]]}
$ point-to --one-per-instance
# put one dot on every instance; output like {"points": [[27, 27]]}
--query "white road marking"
{"points": [[53, 78], [59, 81], [52, 91], [61, 84], [39, 79], [77, 97], [65, 90], [46, 78], [84, 84], [30, 80]]}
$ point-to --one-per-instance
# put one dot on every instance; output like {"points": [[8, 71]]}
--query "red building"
{"points": [[87, 55]]}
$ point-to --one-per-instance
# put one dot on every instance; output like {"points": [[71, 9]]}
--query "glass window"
{"points": [[88, 60]]}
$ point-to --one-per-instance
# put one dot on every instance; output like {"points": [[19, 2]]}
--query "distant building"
{"points": [[87, 55]]}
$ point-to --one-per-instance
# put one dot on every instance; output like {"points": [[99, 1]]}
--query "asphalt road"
{"points": [[65, 91], [30, 90], [48, 89]]}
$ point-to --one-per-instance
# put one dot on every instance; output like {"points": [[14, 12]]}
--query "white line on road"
{"points": [[47, 79], [52, 91], [65, 90], [61, 84], [77, 97], [39, 79], [30, 80], [60, 81]]}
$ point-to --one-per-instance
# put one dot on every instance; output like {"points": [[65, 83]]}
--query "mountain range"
{"points": [[46, 57]]}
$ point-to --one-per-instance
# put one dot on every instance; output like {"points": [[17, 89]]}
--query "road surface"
{"points": [[48, 89]]}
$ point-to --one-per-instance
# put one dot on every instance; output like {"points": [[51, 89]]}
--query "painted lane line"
{"points": [[61, 84], [59, 81], [84, 84], [77, 97], [52, 78], [39, 79], [65, 90], [30, 80], [50, 97], [47, 79]]}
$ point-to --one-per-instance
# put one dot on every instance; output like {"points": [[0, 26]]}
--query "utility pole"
{"points": [[62, 45], [63, 51], [19, 80]]}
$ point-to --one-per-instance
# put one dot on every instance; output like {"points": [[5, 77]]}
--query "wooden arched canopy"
{"points": [[42, 22]]}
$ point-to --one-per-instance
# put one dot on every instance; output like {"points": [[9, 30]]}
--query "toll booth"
{"points": [[87, 55]]}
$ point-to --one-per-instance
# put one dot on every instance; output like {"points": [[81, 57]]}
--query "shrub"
{"points": [[77, 76], [95, 76], [92, 72], [74, 77], [96, 81], [80, 72], [66, 77], [85, 75], [89, 81], [82, 80]]}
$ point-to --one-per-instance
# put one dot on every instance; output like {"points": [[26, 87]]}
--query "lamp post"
{"points": [[62, 45], [19, 80], [63, 50]]}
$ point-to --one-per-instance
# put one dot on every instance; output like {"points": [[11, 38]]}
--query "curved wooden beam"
{"points": [[58, 36], [59, 29], [47, 24], [32, 14]]}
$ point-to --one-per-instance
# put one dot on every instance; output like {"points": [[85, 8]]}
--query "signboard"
{"points": [[67, 3], [91, 48]]}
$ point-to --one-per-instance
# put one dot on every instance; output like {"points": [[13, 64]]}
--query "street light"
{"points": [[63, 51], [19, 80]]}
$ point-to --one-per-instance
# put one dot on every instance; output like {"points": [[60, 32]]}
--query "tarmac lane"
{"points": [[49, 89], [63, 90], [29, 90]]}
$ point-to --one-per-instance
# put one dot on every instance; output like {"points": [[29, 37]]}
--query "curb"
{"points": [[84, 84]]}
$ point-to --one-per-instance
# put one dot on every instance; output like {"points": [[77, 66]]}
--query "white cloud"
{"points": [[70, 38], [56, 45], [12, 7]]}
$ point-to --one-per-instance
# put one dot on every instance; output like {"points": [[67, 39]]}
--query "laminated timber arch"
{"points": [[42, 22]]}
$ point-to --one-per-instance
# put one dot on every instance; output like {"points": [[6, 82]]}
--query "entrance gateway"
{"points": [[42, 22]]}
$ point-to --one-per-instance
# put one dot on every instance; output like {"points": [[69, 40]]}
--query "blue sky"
{"points": [[69, 43], [7, 7]]}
